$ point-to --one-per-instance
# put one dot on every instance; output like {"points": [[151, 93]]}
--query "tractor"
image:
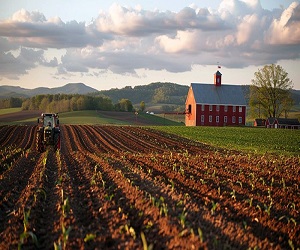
{"points": [[48, 132]]}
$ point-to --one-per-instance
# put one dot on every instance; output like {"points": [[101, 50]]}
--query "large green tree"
{"points": [[270, 92], [142, 106], [124, 105]]}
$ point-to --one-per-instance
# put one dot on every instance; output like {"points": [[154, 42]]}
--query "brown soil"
{"points": [[19, 116], [114, 187]]}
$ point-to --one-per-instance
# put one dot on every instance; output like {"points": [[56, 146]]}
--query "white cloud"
{"points": [[12, 66], [286, 29], [25, 16], [52, 63], [240, 8], [124, 39], [184, 41], [33, 30], [247, 29]]}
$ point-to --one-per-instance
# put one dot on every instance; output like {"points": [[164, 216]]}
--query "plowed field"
{"points": [[115, 187]]}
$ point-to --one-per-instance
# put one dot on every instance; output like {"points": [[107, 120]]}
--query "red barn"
{"points": [[215, 104]]}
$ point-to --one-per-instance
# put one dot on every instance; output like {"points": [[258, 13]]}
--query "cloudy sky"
{"points": [[113, 44]]}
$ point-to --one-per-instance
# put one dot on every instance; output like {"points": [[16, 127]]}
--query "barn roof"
{"points": [[221, 95], [284, 121]]}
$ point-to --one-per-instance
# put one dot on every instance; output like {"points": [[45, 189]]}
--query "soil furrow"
{"points": [[207, 195], [44, 216], [5, 133], [133, 187], [17, 190], [128, 134], [90, 210], [28, 141], [10, 137], [166, 236], [115, 144], [179, 202]]}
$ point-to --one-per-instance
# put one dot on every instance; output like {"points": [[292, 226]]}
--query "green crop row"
{"points": [[255, 140]]}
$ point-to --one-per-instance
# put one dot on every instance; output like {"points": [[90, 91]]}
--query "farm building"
{"points": [[215, 104], [282, 123], [258, 122]]}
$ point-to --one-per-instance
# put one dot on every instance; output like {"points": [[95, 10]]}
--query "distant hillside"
{"points": [[158, 92], [296, 96], [158, 96], [70, 88], [165, 94], [11, 91]]}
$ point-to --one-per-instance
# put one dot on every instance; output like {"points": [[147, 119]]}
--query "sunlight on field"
{"points": [[247, 139], [10, 110], [250, 139], [87, 117], [146, 188]]}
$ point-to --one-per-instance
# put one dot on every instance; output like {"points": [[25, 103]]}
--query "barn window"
{"points": [[190, 109], [225, 108], [210, 107], [240, 120], [233, 119], [202, 107], [202, 118], [233, 108], [210, 118], [225, 119], [240, 109], [217, 119], [218, 108]]}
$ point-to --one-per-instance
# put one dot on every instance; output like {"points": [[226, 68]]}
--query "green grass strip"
{"points": [[249, 139]]}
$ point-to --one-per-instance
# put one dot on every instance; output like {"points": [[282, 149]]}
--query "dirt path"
{"points": [[122, 187]]}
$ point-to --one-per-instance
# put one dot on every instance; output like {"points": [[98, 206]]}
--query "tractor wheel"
{"points": [[56, 144], [39, 143]]}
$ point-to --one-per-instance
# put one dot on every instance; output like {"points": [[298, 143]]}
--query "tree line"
{"points": [[65, 103], [12, 102], [154, 93], [269, 96], [170, 96]]}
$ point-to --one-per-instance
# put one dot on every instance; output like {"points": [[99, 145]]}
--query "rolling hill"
{"points": [[158, 96], [157, 92], [70, 88]]}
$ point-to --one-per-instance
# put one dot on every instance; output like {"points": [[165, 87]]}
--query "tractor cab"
{"points": [[49, 120]]}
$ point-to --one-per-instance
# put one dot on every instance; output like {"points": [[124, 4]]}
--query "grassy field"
{"points": [[177, 117], [164, 121], [88, 117], [94, 117], [10, 110], [75, 117], [247, 139]]}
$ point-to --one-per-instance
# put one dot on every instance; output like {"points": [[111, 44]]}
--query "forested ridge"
{"points": [[64, 103], [125, 99], [158, 92], [164, 95]]}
